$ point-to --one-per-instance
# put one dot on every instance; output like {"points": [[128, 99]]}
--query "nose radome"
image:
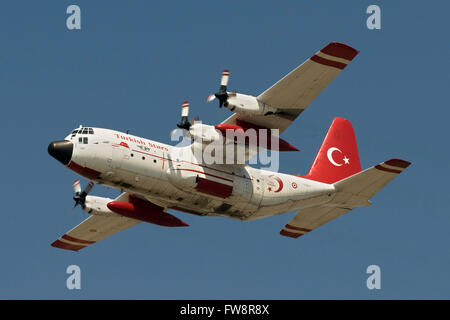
{"points": [[61, 151]]}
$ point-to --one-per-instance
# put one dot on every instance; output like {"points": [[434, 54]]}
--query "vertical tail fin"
{"points": [[338, 156]]}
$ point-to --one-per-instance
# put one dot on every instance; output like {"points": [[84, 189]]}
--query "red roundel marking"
{"points": [[294, 185]]}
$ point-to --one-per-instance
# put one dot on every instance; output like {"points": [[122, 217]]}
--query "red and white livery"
{"points": [[156, 178]]}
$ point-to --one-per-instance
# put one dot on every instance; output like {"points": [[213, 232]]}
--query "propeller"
{"points": [[222, 95], [80, 196], [184, 124]]}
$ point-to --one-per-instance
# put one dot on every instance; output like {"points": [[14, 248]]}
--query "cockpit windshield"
{"points": [[82, 131]]}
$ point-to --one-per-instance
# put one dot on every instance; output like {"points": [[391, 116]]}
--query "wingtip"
{"points": [[340, 50], [66, 246], [393, 165], [290, 234], [398, 163]]}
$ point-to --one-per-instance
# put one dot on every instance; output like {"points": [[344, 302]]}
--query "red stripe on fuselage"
{"points": [[195, 164], [206, 174], [84, 171], [214, 188]]}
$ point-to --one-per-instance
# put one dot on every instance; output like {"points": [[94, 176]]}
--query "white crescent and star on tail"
{"points": [[330, 157]]}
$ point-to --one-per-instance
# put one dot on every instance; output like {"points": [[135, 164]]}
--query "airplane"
{"points": [[155, 177]]}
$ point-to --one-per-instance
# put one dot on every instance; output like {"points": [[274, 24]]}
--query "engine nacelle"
{"points": [[245, 104], [98, 206], [202, 132]]}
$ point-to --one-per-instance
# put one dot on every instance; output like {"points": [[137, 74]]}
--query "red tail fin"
{"points": [[338, 156]]}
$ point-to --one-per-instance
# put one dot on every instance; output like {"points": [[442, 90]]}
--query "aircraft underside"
{"points": [[156, 179]]}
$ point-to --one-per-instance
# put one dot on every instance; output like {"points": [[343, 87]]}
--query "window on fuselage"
{"points": [[85, 140]]}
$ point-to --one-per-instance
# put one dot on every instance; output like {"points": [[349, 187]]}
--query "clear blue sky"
{"points": [[131, 66]]}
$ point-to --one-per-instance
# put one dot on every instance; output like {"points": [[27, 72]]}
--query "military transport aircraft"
{"points": [[155, 178]]}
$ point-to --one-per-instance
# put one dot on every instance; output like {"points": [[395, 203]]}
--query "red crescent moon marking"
{"points": [[280, 183]]}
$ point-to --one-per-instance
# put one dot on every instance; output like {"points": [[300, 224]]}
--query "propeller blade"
{"points": [[210, 98], [184, 124], [222, 95], [88, 188], [185, 109], [80, 197], [224, 80], [77, 187]]}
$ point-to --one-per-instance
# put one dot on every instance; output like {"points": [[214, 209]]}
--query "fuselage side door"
{"points": [[258, 188], [121, 155]]}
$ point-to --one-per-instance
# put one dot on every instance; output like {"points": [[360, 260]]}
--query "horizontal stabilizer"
{"points": [[368, 182], [354, 191]]}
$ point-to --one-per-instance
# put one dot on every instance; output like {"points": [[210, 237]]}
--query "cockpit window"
{"points": [[83, 140], [82, 131]]}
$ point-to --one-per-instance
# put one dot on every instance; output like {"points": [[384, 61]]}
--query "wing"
{"points": [[293, 93], [94, 229], [354, 191]]}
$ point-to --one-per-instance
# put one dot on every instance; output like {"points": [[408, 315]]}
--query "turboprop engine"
{"points": [[245, 104], [128, 206], [197, 131], [200, 132], [238, 102], [91, 204]]}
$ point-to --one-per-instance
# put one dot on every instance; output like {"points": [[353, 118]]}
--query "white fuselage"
{"points": [[170, 177]]}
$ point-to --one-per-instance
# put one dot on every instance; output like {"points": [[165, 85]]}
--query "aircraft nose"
{"points": [[61, 151]]}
